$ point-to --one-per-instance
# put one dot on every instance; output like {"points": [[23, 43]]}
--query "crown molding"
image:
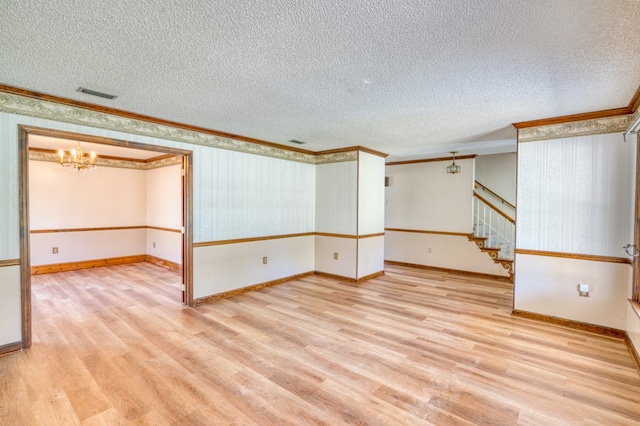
{"points": [[596, 126], [50, 156]]}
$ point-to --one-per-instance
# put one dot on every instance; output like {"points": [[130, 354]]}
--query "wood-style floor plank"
{"points": [[115, 346]]}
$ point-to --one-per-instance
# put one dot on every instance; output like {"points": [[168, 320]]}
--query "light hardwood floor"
{"points": [[115, 346]]}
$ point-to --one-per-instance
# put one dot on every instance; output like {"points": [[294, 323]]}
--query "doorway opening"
{"points": [[139, 155]]}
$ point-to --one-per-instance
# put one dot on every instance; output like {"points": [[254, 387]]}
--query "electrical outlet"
{"points": [[154, 244], [335, 256], [54, 250], [264, 260], [429, 249]]}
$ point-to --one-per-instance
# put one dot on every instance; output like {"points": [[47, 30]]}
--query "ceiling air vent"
{"points": [[96, 93], [296, 141]]}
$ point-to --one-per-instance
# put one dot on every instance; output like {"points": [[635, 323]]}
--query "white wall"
{"points": [[10, 305], [633, 326], [575, 196], [222, 268], [549, 286], [422, 196], [337, 198], [498, 173], [164, 210], [371, 192], [105, 197], [441, 251]]}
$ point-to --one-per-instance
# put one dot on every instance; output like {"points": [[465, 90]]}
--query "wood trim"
{"points": [[635, 101], [164, 263], [86, 264], [9, 262], [106, 228], [360, 237], [416, 231], [81, 137], [484, 188], [158, 228], [497, 210], [10, 348], [574, 117], [351, 149], [236, 292], [249, 240], [591, 328], [121, 113], [430, 160], [25, 256], [632, 351], [450, 271], [592, 257], [328, 234], [350, 280]]}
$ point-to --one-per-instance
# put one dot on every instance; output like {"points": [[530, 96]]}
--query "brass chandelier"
{"points": [[77, 160]]}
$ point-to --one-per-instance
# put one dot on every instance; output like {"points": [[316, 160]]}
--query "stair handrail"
{"points": [[494, 226], [502, 200], [500, 212]]}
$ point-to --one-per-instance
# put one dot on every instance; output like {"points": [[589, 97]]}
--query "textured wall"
{"points": [[336, 198], [238, 195], [575, 195]]}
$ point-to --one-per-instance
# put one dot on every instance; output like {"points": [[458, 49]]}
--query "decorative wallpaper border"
{"points": [[51, 157], [15, 104], [576, 128], [337, 157]]}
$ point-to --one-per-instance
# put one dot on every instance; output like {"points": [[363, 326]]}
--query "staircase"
{"points": [[493, 226]]}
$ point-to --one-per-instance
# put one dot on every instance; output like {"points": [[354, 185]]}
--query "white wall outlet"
{"points": [[429, 249], [154, 244], [264, 260], [335, 255], [54, 250], [583, 290]]}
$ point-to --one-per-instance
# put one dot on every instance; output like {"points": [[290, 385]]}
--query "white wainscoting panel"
{"points": [[633, 327], [222, 268], [10, 305], [370, 256], [168, 245], [549, 286], [87, 245], [345, 265], [447, 251]]}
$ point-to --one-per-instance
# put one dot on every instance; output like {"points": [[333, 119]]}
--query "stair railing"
{"points": [[497, 227]]}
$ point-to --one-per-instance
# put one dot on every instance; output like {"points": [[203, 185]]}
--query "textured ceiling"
{"points": [[409, 78]]}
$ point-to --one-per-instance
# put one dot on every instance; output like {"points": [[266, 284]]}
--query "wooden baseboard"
{"points": [[347, 279], [164, 263], [86, 264], [633, 351], [592, 328], [218, 296], [10, 348], [451, 271]]}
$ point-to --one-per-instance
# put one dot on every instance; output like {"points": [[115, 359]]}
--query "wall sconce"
{"points": [[453, 168]]}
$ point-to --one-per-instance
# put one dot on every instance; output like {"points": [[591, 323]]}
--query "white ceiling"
{"points": [[411, 78]]}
